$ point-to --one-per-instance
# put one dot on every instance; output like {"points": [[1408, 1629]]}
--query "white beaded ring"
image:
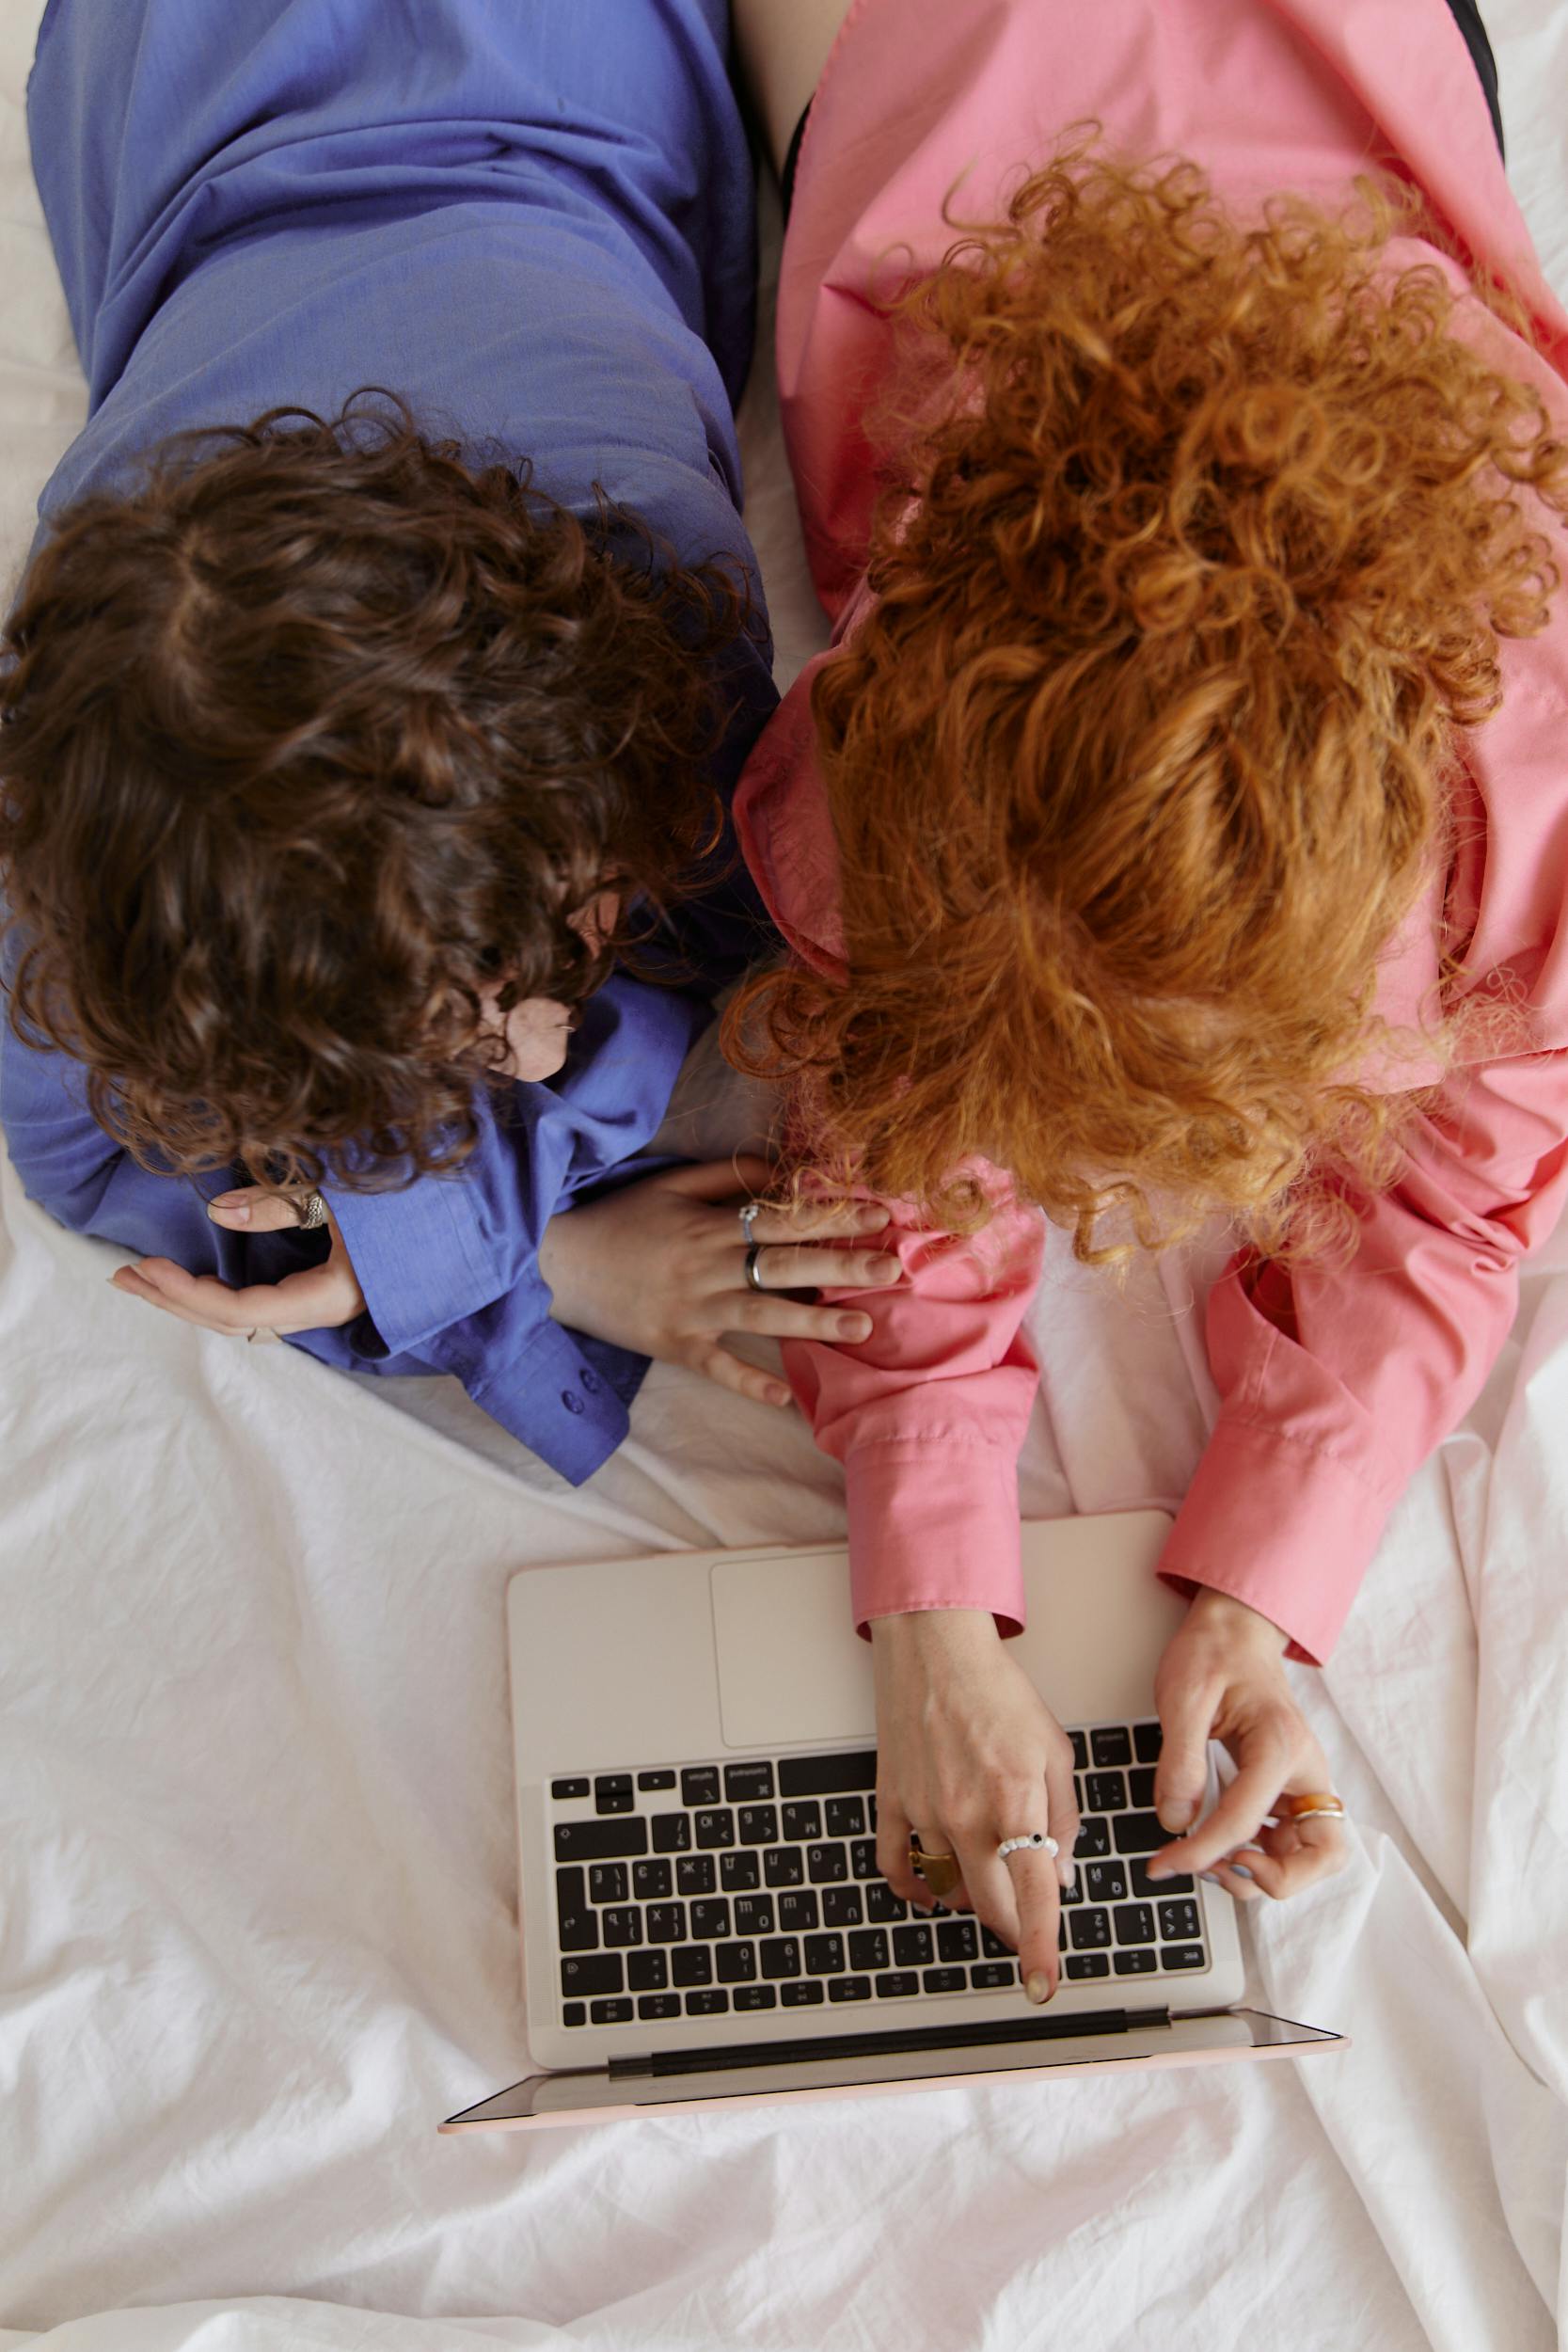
{"points": [[1015, 1845]]}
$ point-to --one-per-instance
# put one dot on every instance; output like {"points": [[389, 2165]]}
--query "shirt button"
{"points": [[571, 1400], [590, 1380]]}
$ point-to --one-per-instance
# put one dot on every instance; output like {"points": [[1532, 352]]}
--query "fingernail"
{"points": [[1038, 1986], [1067, 1870], [1157, 1870], [1239, 1870], [1206, 1876], [780, 1396], [238, 1210], [854, 1326], [1175, 1813], [886, 1270]]}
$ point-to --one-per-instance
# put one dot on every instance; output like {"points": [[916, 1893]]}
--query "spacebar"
{"points": [[823, 1775]]}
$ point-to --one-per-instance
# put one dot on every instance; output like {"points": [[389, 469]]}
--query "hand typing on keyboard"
{"points": [[968, 1754]]}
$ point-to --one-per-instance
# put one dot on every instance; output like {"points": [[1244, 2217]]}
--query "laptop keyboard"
{"points": [[709, 1890]]}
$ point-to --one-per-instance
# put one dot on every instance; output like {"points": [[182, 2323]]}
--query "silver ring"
{"points": [[748, 1217], [312, 1213], [260, 1336], [754, 1279], [1015, 1845]]}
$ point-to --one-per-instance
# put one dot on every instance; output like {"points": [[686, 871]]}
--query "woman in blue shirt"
{"points": [[345, 748]]}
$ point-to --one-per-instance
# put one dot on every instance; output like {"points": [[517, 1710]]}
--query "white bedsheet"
{"points": [[255, 1851]]}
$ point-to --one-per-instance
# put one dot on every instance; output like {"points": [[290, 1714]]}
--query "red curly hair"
{"points": [[1196, 553]]}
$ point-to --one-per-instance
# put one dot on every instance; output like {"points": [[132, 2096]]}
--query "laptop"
{"points": [[703, 1921]]}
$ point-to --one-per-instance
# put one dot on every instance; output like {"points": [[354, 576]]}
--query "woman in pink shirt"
{"points": [[1179, 820]]}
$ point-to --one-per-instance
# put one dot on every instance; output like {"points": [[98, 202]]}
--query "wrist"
{"points": [[934, 1628], [1222, 1612]]}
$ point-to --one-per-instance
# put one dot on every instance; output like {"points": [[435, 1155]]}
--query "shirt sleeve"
{"points": [[1337, 1379], [928, 1416]]}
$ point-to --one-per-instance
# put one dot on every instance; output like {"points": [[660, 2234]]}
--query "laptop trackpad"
{"points": [[792, 1669]]}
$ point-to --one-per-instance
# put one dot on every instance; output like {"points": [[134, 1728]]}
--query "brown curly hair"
{"points": [[1195, 546], [311, 736]]}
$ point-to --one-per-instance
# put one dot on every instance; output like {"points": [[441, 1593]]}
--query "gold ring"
{"points": [[940, 1872], [1306, 1808]]}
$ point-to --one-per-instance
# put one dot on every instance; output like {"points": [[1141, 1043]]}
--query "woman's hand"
{"points": [[1223, 1678], [968, 1753], [661, 1267], [318, 1298]]}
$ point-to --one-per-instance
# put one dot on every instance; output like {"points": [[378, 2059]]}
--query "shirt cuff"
{"points": [[933, 1527], [1284, 1527], [420, 1258]]}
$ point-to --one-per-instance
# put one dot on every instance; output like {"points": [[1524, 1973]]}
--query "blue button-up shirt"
{"points": [[533, 221]]}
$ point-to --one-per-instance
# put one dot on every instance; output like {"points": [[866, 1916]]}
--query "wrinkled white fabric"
{"points": [[256, 1850]]}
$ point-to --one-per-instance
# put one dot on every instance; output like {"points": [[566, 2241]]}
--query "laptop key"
{"points": [[1111, 1744], [944, 1981], [695, 1874], [575, 1786], [826, 1863], [957, 1939], [1094, 1837], [660, 1779], [748, 1784], [824, 1955], [1179, 1922], [882, 1904], [575, 2013], [1134, 1923], [708, 1921], [1105, 1792], [1103, 1881], [1136, 1963], [700, 1785], [1146, 1742], [797, 1911], [736, 1964], [1080, 1751], [825, 1776], [672, 1833], [1143, 1884], [1183, 1956], [600, 1972], [623, 1926], [804, 1994], [611, 2013], [898, 1985], [712, 2001], [665, 1923], [715, 1826], [993, 1946], [577, 1924], [845, 1817], [659, 2005], [759, 1824], [753, 1915], [991, 1975], [647, 1971], [691, 1964], [1080, 1965], [754, 1997], [601, 1841], [841, 1906], [803, 1822], [1136, 1832], [913, 1946], [868, 1949], [1090, 1931], [607, 1882], [650, 1881], [1140, 1786], [863, 1857], [780, 1956], [613, 1793], [782, 1865], [850, 1989], [738, 1870]]}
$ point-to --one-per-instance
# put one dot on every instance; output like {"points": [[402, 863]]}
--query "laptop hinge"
{"points": [[809, 2050]]}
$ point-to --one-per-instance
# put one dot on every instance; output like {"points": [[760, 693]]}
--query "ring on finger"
{"points": [[753, 1279], [940, 1872], [312, 1213], [748, 1217], [1017, 1845]]}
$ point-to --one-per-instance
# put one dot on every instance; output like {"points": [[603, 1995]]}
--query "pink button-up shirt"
{"points": [[1335, 1380]]}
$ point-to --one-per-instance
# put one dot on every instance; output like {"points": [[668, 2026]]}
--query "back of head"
{"points": [[1198, 548], [313, 736]]}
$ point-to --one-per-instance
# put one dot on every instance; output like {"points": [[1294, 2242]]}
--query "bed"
{"points": [[257, 1875]]}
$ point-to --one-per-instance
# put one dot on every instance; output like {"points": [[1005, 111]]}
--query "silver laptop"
{"points": [[702, 1918]]}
